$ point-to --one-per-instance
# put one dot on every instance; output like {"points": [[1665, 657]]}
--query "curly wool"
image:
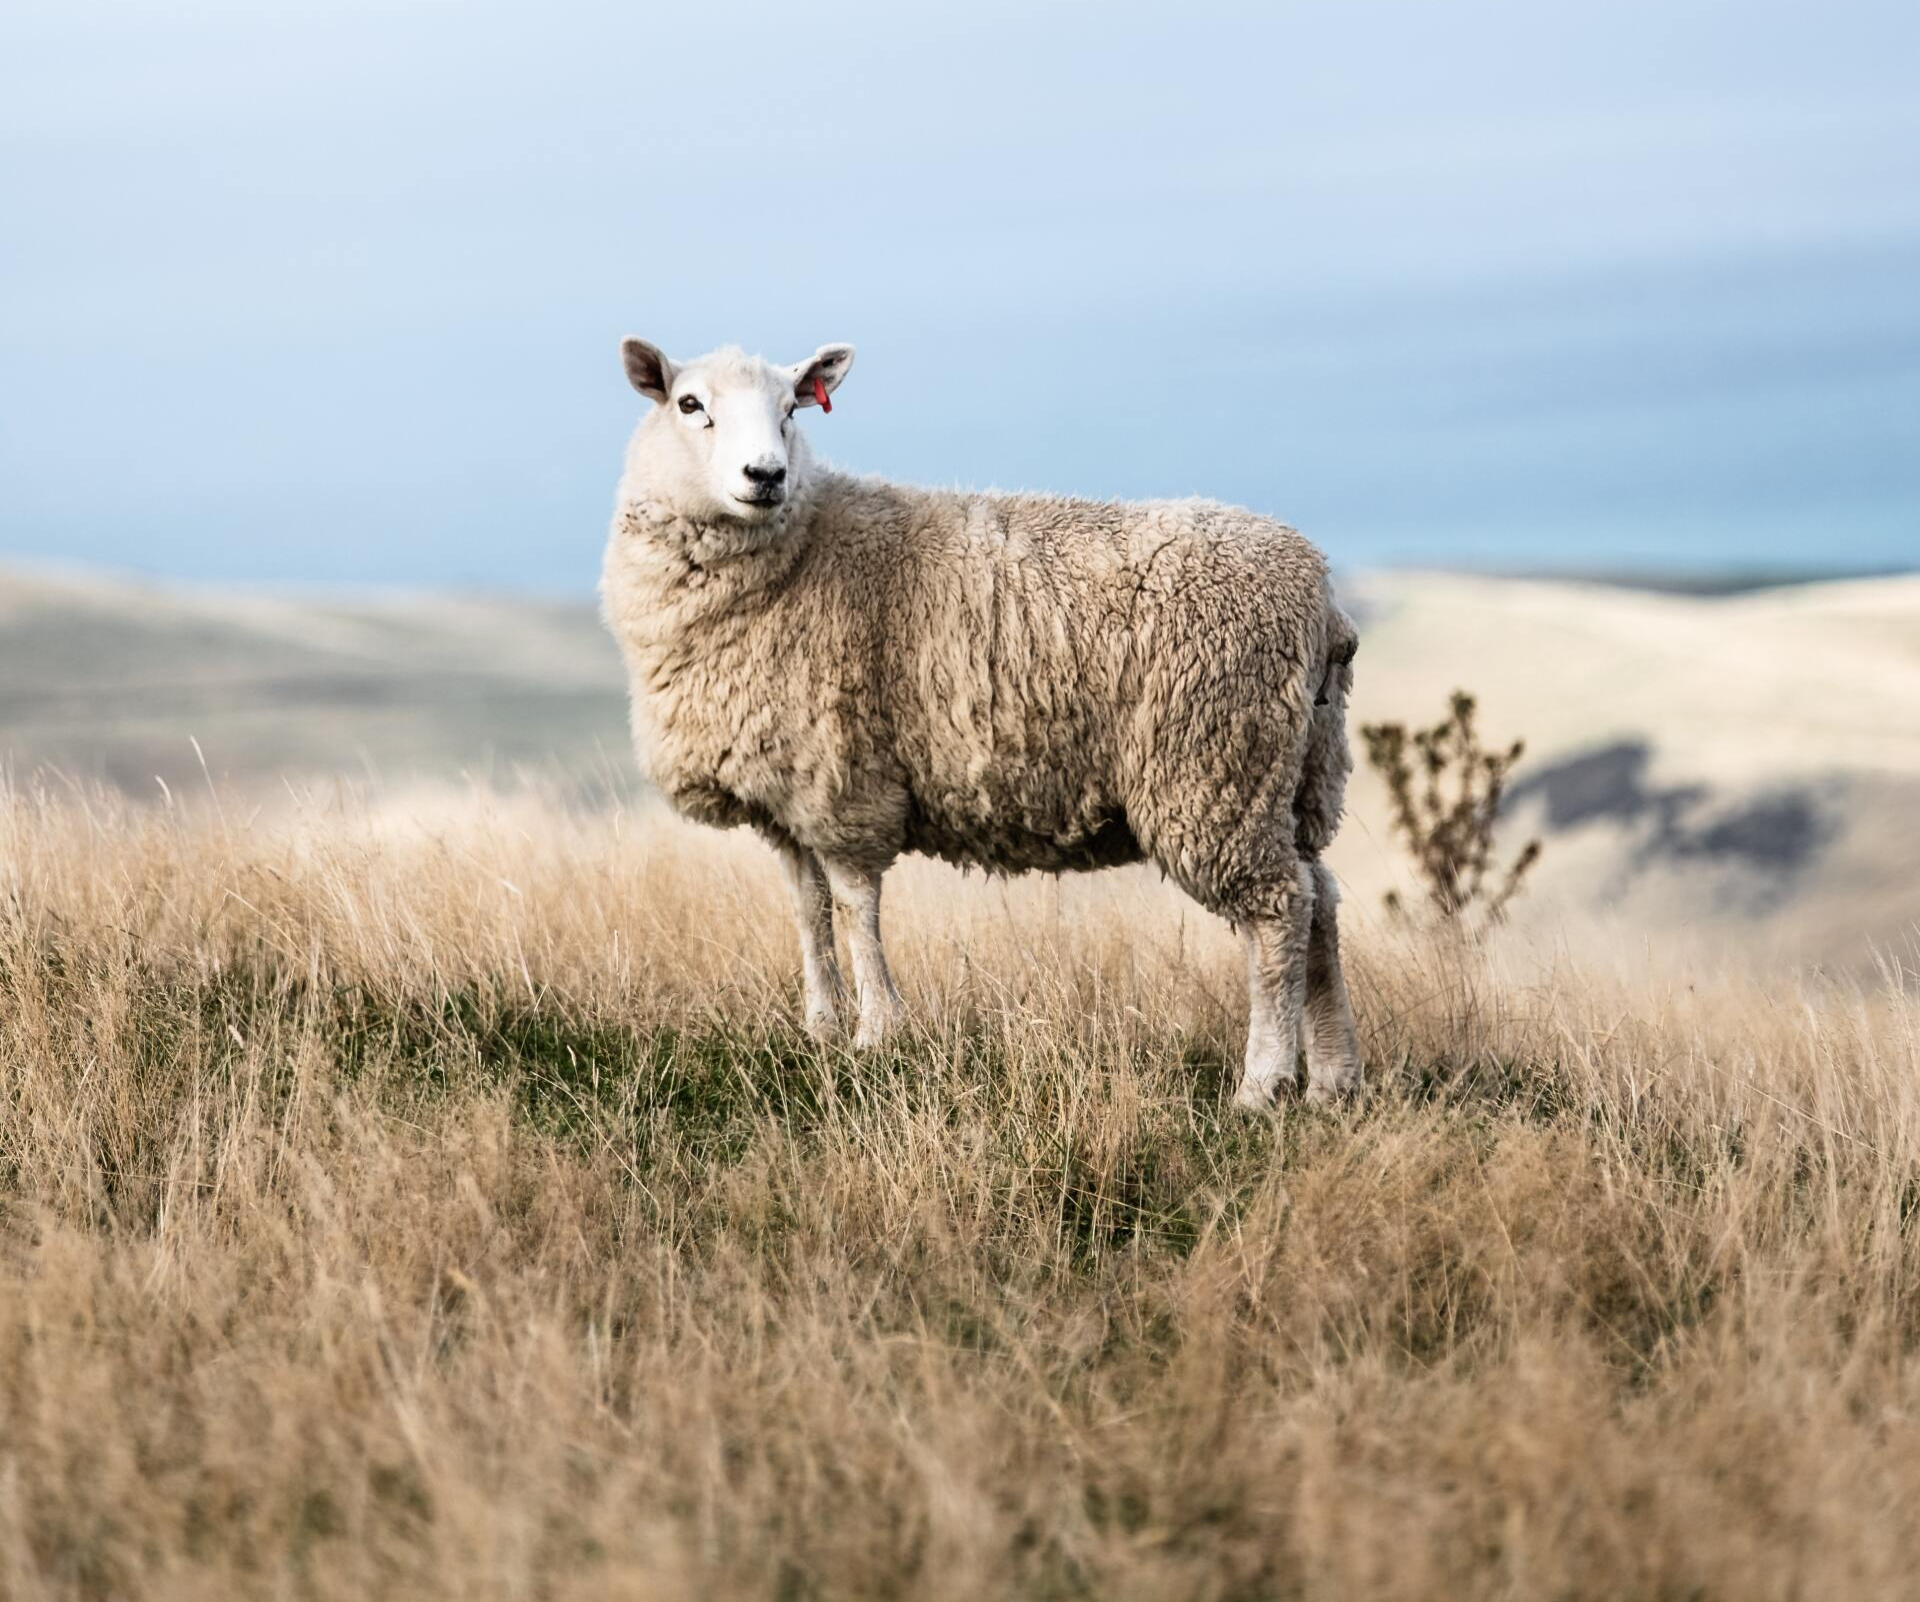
{"points": [[1008, 681]]}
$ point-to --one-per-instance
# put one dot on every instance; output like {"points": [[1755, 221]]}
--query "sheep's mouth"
{"points": [[762, 501]]}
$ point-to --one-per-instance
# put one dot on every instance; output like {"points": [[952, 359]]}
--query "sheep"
{"points": [[857, 669]]}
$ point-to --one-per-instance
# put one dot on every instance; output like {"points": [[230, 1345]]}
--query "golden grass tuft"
{"points": [[454, 1207]]}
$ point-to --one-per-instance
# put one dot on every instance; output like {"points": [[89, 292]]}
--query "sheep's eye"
{"points": [[689, 405]]}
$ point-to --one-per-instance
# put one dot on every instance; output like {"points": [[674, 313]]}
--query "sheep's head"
{"points": [[721, 441]]}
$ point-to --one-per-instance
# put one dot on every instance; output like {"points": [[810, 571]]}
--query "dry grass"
{"points": [[457, 1210]]}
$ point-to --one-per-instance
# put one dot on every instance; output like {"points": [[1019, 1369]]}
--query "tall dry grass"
{"points": [[454, 1208]]}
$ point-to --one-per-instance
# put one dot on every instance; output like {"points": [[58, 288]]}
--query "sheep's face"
{"points": [[722, 441]]}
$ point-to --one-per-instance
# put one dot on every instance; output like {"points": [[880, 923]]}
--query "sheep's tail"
{"points": [[1323, 777]]}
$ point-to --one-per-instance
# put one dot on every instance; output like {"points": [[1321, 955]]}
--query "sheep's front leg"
{"points": [[819, 967], [857, 890]]}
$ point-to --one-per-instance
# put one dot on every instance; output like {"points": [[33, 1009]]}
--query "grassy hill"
{"points": [[423, 1188], [1743, 767], [113, 680], [457, 1209]]}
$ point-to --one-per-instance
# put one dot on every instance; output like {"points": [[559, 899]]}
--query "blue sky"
{"points": [[332, 291]]}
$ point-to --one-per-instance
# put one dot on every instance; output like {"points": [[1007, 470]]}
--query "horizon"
{"points": [[332, 296], [1706, 582]]}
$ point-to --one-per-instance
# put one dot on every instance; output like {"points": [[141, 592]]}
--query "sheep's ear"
{"points": [[828, 364], [648, 369]]}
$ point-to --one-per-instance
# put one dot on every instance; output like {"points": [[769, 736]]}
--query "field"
{"points": [[443, 1201]]}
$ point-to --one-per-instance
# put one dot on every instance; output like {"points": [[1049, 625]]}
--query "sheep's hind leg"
{"points": [[1276, 942], [1333, 1050], [857, 890], [1270, 1055], [813, 912]]}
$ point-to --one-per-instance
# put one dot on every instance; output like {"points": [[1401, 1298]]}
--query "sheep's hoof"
{"points": [[1339, 1092], [874, 1034], [1255, 1096]]}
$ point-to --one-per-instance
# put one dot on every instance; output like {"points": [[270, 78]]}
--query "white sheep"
{"points": [[857, 669]]}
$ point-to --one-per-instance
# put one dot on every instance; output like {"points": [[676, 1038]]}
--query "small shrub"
{"points": [[1445, 790]]}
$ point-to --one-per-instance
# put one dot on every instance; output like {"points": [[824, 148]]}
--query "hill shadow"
{"points": [[1776, 834]]}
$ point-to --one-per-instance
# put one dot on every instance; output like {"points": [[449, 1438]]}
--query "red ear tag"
{"points": [[820, 393]]}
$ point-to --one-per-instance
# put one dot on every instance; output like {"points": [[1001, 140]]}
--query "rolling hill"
{"points": [[1743, 768]]}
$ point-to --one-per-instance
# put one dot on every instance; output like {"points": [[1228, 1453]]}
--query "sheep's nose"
{"points": [[766, 475]]}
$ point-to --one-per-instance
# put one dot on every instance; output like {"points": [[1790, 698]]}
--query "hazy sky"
{"points": [[332, 291]]}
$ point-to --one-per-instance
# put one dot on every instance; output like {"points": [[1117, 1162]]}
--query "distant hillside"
{"points": [[1747, 767], [1707, 581], [111, 679]]}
